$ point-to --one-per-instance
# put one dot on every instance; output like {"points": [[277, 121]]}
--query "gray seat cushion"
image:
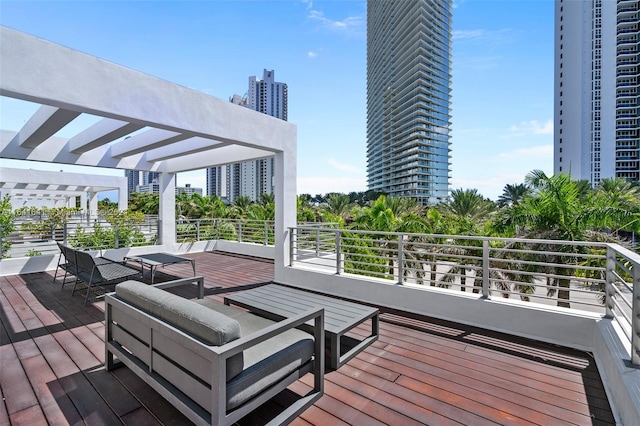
{"points": [[265, 363], [207, 325]]}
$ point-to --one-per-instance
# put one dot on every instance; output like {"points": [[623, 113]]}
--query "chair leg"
{"points": [[64, 280]]}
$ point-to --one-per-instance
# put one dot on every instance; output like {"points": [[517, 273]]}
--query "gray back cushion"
{"points": [[210, 327]]}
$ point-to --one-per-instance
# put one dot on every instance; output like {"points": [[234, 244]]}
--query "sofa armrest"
{"points": [[235, 347], [245, 342], [198, 280], [224, 352]]}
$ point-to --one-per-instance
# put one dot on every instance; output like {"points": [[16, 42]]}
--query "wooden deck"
{"points": [[420, 371]]}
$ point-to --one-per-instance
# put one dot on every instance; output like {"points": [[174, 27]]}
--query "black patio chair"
{"points": [[100, 272]]}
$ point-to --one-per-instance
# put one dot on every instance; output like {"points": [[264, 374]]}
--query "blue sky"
{"points": [[502, 101]]}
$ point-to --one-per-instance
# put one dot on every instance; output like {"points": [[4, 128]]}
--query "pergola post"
{"points": [[167, 212], [93, 204], [285, 201]]}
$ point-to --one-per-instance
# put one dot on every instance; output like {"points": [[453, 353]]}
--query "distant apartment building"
{"points": [[188, 189], [150, 177], [597, 89], [251, 178], [154, 188], [408, 98], [133, 180]]}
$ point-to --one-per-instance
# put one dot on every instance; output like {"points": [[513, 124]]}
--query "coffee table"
{"points": [[278, 302], [153, 260]]}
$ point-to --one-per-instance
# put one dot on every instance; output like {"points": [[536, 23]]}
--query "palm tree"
{"points": [[380, 217], [557, 209], [618, 196], [240, 206], [469, 204], [512, 194], [305, 211], [339, 205], [266, 198]]}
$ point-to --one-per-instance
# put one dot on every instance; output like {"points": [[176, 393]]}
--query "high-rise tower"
{"points": [[597, 89], [251, 178], [133, 180], [408, 98]]}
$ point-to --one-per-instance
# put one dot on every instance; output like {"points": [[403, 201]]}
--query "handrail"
{"points": [[593, 276]]}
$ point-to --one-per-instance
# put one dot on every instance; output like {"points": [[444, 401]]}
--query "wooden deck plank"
{"points": [[420, 371], [15, 384], [55, 404]]}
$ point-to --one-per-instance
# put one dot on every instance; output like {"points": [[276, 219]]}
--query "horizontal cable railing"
{"points": [[596, 277], [35, 236], [240, 230]]}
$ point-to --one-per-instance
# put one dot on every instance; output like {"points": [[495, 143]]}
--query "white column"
{"points": [[93, 204], [83, 202], [285, 200], [123, 199], [167, 213]]}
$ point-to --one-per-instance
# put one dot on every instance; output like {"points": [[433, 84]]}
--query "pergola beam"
{"points": [[143, 142], [191, 146], [43, 124], [103, 132]]}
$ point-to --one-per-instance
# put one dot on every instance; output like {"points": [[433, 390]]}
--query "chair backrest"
{"points": [[68, 253], [86, 263]]}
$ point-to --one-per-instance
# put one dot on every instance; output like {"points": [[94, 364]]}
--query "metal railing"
{"points": [[240, 230], [596, 277], [35, 236]]}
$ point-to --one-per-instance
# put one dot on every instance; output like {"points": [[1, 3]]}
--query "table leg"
{"points": [[334, 348]]}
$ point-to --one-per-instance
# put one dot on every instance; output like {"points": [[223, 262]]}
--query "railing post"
{"points": [[485, 269], [116, 237], [266, 233], [317, 242], [198, 230], [239, 231], [1, 241], [293, 236], [635, 317], [400, 258], [338, 254], [610, 279], [64, 233]]}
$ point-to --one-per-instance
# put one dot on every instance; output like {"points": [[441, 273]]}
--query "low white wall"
{"points": [[27, 265], [621, 382], [534, 321]]}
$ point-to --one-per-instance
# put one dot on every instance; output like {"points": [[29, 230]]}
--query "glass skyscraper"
{"points": [[408, 98]]}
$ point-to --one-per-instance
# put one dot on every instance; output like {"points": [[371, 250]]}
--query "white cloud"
{"points": [[338, 25], [309, 3], [467, 34], [312, 54], [531, 127], [345, 167]]}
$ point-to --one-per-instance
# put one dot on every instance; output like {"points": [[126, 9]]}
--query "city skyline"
{"points": [[502, 74]]}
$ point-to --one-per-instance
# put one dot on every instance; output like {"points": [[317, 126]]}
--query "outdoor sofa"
{"points": [[213, 362]]}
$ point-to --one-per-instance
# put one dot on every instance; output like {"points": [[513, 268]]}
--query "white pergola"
{"points": [[173, 128], [60, 187]]}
